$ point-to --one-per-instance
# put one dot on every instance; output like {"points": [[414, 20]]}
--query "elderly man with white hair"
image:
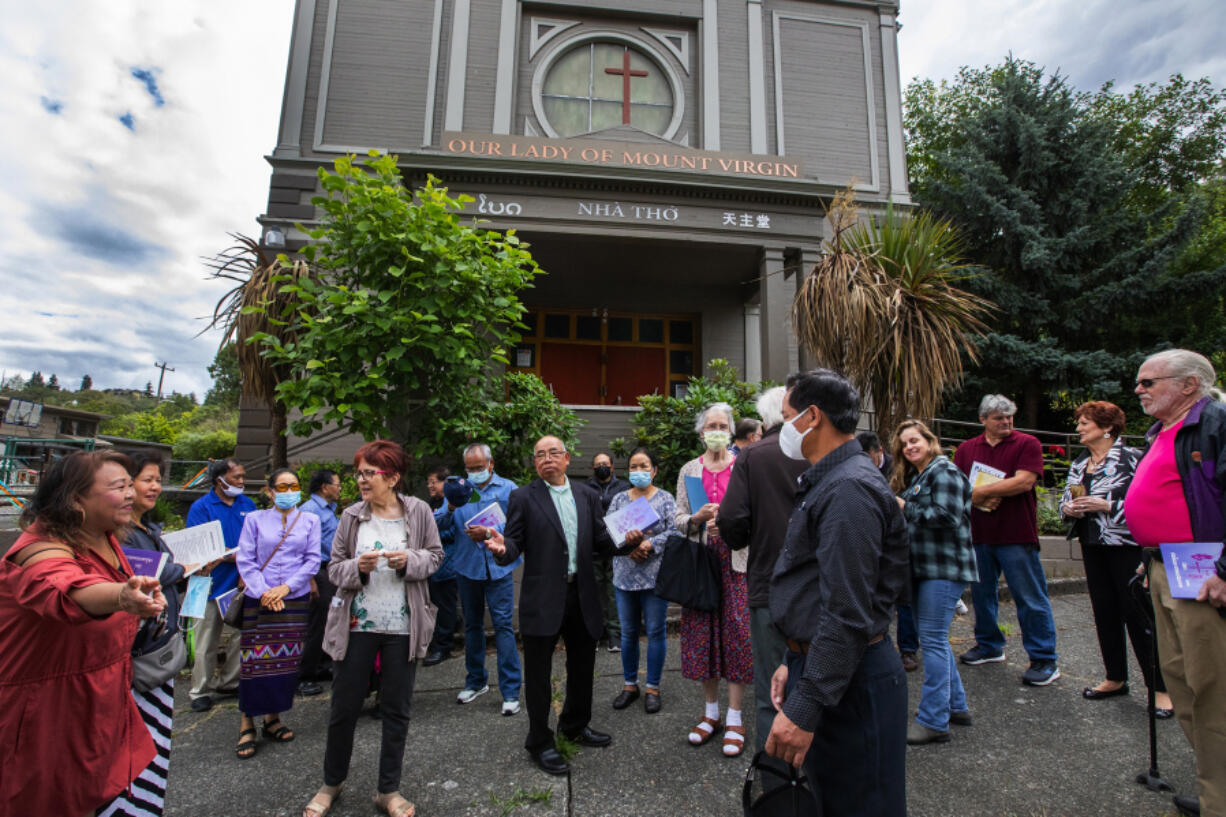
{"points": [[754, 514], [1179, 495], [1005, 530]]}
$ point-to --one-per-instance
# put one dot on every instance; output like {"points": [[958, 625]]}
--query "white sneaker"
{"points": [[467, 696], [510, 707], [961, 608]]}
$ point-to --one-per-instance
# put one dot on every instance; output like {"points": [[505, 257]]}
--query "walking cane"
{"points": [[1150, 779]]}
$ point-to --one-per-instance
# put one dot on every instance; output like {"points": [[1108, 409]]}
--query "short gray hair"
{"points": [[770, 406], [1186, 363], [701, 419], [481, 448], [996, 404]]}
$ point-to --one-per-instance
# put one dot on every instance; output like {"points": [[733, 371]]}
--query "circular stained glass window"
{"points": [[600, 85]]}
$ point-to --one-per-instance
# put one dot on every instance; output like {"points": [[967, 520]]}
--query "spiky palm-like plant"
{"points": [[882, 306], [251, 309]]}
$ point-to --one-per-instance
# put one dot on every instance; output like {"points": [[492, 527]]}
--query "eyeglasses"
{"points": [[1148, 382], [369, 474], [286, 487], [551, 454]]}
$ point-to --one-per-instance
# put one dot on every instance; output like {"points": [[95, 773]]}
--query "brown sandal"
{"points": [[734, 740], [394, 805], [715, 725]]}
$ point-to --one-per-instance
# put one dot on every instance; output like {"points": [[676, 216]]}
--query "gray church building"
{"points": [[668, 161]]}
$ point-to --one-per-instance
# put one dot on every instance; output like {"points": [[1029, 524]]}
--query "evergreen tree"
{"points": [[54, 383], [149, 388], [87, 383], [1039, 191]]}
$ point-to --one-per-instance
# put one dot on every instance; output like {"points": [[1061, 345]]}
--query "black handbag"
{"points": [[789, 796], [689, 574]]}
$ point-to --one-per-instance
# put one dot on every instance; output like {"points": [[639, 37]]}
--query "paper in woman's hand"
{"points": [[638, 515]]}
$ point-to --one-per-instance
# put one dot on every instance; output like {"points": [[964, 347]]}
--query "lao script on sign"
{"points": [[198, 544], [638, 515]]}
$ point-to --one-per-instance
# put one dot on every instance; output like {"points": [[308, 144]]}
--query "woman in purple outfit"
{"points": [[278, 554]]}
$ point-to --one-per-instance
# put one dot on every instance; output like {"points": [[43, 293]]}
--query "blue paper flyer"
{"points": [[196, 600], [696, 492], [226, 599], [1188, 564]]}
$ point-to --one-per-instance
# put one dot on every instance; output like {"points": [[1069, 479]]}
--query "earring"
{"points": [[1106, 435]]}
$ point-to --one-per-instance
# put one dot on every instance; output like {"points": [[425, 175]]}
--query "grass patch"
{"points": [[566, 747], [1005, 627], [520, 797]]}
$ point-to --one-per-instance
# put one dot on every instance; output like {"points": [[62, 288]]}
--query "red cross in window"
{"points": [[626, 74]]}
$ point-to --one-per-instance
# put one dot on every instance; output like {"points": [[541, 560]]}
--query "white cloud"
{"points": [[104, 227]]}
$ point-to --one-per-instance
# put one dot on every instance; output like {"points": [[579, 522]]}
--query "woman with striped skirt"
{"points": [[146, 796], [278, 555]]}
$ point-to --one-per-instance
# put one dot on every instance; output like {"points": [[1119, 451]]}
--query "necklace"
{"points": [[1097, 463]]}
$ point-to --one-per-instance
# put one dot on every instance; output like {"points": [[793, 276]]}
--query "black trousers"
{"points": [[350, 680], [1109, 568], [857, 763], [313, 657], [580, 667], [445, 596]]}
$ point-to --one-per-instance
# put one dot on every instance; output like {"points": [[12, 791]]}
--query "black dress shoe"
{"points": [[434, 657], [1092, 694], [309, 688], [590, 737], [202, 704], [651, 702], [550, 761], [625, 698], [1187, 806]]}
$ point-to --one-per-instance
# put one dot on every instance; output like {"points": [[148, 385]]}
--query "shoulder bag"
{"points": [[689, 574], [234, 613], [789, 795]]}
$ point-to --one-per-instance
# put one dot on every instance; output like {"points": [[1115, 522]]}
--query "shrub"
{"points": [[666, 424], [204, 445]]}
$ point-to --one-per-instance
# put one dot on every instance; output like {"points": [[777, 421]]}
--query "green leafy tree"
{"points": [[35, 382], [204, 445], [227, 384], [665, 424], [54, 383], [409, 309], [1035, 184]]}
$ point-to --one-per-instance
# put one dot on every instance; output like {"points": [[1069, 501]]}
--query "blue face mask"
{"points": [[640, 479], [479, 477], [287, 500]]}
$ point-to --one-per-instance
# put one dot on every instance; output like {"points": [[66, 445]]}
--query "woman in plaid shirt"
{"points": [[936, 501]]}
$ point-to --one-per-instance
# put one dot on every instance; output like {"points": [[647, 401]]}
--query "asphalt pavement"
{"points": [[1032, 752]]}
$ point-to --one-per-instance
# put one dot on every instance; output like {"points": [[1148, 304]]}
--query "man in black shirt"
{"points": [[842, 691]]}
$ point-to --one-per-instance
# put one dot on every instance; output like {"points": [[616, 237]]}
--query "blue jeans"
{"points": [[908, 637], [857, 761], [1024, 575], [631, 605], [500, 595], [942, 693]]}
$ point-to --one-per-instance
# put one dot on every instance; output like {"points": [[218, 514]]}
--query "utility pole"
{"points": [[163, 366]]}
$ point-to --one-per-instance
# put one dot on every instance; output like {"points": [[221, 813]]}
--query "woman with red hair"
{"points": [[385, 548], [1093, 505]]}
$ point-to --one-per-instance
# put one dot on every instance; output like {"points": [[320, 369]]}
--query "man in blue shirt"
{"points": [[227, 504], [325, 490], [483, 581]]}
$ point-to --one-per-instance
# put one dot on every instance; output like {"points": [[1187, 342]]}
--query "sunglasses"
{"points": [[1148, 382], [286, 487]]}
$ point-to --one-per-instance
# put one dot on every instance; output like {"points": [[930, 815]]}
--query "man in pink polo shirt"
{"points": [[1005, 530], [1179, 495]]}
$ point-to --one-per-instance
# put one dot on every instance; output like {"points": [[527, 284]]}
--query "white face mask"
{"points": [[228, 489], [791, 441]]}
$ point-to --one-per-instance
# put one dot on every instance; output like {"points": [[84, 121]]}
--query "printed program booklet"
{"points": [[984, 475], [638, 515], [1188, 564]]}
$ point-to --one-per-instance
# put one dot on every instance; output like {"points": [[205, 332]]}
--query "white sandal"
{"points": [[318, 808]]}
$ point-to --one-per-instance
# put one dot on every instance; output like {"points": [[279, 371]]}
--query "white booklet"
{"points": [[638, 515], [983, 475], [491, 516], [198, 544]]}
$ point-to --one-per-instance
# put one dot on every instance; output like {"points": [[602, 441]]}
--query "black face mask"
{"points": [[603, 472]]}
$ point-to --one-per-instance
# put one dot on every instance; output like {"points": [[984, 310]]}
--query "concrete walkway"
{"points": [[1031, 753]]}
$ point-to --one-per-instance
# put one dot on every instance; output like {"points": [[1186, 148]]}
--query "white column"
{"points": [[289, 143], [710, 75], [753, 344], [757, 78], [457, 69], [436, 40], [504, 81], [895, 148]]}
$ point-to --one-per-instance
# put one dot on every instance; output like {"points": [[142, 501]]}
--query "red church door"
{"points": [[573, 370]]}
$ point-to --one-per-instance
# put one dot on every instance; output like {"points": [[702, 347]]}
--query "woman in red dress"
{"points": [[70, 734]]}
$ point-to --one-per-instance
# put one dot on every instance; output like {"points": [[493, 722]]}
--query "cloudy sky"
{"points": [[134, 135]]}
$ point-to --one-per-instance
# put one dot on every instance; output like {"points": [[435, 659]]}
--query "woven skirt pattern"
{"points": [[271, 649]]}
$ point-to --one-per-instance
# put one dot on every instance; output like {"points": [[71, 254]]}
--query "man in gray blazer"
{"points": [[557, 525]]}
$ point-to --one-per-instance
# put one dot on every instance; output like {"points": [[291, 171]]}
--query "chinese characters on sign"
{"points": [[760, 221]]}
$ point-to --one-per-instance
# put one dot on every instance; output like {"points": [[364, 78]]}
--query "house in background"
{"points": [[669, 161]]}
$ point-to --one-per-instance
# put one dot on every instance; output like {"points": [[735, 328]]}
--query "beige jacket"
{"points": [[425, 555], [693, 468]]}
